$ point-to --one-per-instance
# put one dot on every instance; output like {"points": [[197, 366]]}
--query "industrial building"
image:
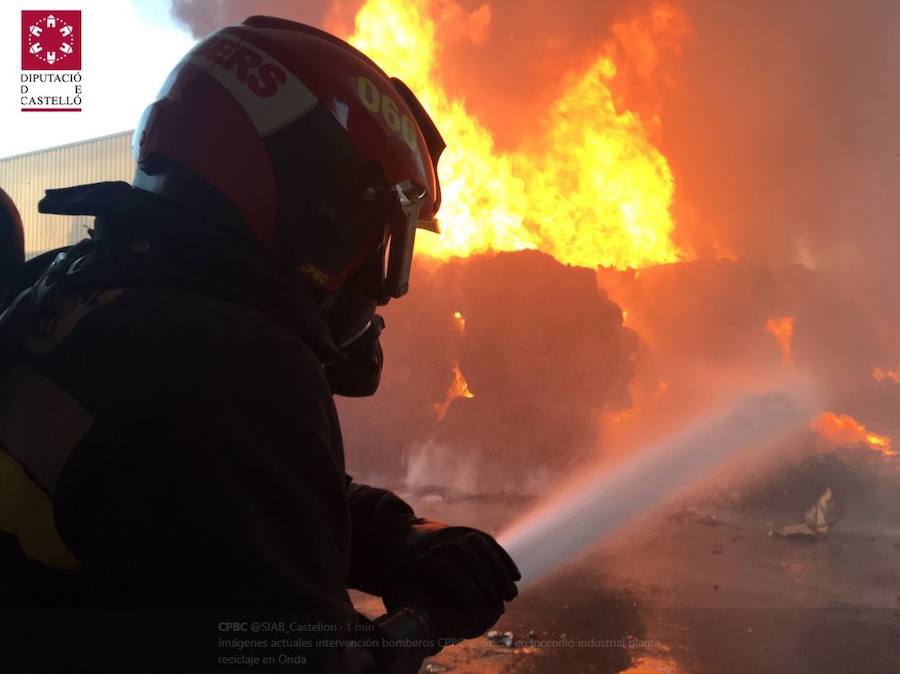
{"points": [[26, 176]]}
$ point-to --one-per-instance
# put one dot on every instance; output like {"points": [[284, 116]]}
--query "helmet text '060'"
{"points": [[376, 101]]}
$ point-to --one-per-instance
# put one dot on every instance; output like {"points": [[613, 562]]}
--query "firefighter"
{"points": [[168, 436]]}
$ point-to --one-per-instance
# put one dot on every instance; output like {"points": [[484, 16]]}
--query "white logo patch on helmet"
{"points": [[268, 92]]}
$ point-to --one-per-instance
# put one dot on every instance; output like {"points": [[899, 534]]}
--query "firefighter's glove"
{"points": [[464, 576]]}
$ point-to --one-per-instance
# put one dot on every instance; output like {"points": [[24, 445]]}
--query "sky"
{"points": [[129, 47]]}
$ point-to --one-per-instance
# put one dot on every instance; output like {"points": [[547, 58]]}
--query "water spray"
{"points": [[590, 511]]}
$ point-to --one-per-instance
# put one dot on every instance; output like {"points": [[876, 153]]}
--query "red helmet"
{"points": [[12, 245], [328, 161]]}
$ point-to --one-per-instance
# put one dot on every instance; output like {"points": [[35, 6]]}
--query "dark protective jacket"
{"points": [[180, 425]]}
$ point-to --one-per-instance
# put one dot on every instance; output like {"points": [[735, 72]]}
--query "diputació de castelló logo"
{"points": [[51, 61], [51, 40]]}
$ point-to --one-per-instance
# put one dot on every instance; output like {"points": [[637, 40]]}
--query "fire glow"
{"points": [[842, 429], [459, 388], [590, 188]]}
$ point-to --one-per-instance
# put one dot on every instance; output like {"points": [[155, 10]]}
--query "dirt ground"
{"points": [[702, 587]]}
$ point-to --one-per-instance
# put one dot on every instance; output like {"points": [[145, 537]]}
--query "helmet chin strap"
{"points": [[343, 345]]}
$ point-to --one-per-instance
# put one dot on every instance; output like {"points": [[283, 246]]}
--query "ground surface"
{"points": [[703, 588]]}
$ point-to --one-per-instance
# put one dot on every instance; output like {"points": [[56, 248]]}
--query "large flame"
{"points": [[590, 188], [842, 429]]}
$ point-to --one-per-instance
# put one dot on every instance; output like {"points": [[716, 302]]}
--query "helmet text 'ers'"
{"points": [[250, 66]]}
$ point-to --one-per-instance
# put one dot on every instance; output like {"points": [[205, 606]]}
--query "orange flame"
{"points": [[590, 188], [783, 331], [883, 373], [842, 429], [459, 388]]}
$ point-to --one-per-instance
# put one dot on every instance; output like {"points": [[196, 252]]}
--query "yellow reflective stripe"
{"points": [[27, 512]]}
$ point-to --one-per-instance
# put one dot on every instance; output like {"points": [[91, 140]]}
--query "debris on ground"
{"points": [[818, 520]]}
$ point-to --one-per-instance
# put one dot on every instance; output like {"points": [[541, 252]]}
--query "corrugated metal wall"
{"points": [[26, 176]]}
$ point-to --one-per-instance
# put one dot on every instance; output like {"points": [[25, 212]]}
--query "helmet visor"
{"points": [[402, 232]]}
